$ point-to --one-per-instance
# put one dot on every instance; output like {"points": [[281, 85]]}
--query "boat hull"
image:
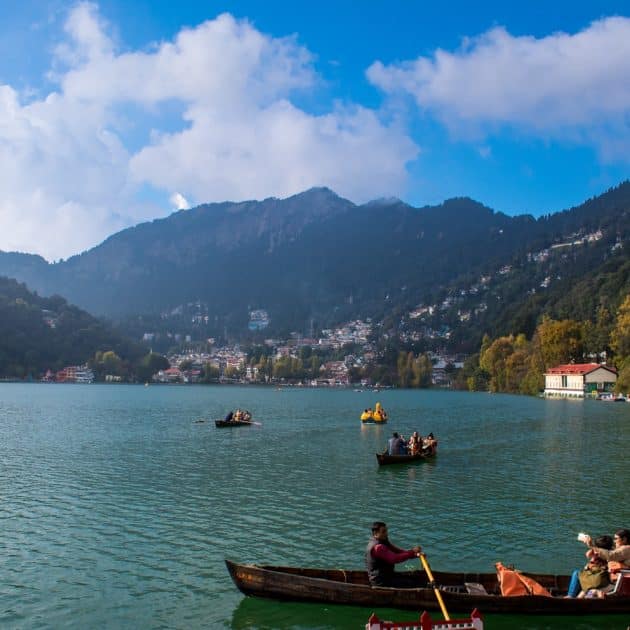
{"points": [[232, 423], [384, 459], [338, 586]]}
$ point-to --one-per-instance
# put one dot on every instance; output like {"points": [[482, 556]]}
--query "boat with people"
{"points": [[402, 451], [236, 418], [378, 415], [459, 591], [426, 454], [233, 423]]}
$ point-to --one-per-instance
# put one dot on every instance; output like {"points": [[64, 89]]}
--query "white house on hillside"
{"points": [[579, 379]]}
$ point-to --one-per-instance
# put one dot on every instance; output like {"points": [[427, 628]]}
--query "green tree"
{"points": [[149, 365], [494, 361], [211, 373], [560, 341], [422, 370], [620, 335]]}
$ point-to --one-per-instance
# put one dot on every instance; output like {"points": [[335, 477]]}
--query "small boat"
{"points": [[460, 591], [233, 423], [606, 397], [427, 453]]}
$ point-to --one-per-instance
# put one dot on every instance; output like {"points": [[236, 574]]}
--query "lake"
{"points": [[118, 507]]}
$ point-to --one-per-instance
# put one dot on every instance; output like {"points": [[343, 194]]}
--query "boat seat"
{"points": [[455, 588], [475, 588], [622, 585]]}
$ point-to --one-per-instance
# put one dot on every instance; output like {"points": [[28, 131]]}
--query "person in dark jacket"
{"points": [[394, 445], [381, 556]]}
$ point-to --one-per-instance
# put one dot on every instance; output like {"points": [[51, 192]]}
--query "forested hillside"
{"points": [[39, 334]]}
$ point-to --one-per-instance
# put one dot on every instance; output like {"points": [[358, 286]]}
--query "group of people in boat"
{"points": [[415, 445], [239, 416], [378, 414], [606, 557]]}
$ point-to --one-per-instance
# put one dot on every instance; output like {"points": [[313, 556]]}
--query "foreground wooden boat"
{"points": [[233, 423], [460, 591], [385, 459]]}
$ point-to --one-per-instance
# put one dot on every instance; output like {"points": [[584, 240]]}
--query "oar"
{"points": [[432, 583]]}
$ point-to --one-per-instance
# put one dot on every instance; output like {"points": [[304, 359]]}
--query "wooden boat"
{"points": [[460, 591], [384, 459], [233, 423]]}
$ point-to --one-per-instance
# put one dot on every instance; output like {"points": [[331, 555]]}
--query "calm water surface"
{"points": [[117, 508]]}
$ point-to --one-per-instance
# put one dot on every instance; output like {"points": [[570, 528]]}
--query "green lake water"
{"points": [[117, 508]]}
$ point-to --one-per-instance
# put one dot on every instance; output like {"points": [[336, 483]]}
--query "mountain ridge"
{"points": [[312, 257]]}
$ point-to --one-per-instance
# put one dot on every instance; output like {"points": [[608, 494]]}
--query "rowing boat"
{"points": [[233, 423], [385, 459], [460, 591]]}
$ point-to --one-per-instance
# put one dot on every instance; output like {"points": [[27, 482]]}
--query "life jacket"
{"points": [[514, 583]]}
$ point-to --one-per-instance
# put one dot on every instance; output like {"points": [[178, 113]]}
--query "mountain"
{"points": [[38, 334], [315, 259]]}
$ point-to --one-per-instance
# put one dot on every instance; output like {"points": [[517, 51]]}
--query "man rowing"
{"points": [[381, 556]]}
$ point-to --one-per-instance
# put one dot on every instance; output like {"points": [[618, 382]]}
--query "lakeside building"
{"points": [[577, 380], [75, 374]]}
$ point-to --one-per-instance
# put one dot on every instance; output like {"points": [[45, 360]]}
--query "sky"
{"points": [[116, 112]]}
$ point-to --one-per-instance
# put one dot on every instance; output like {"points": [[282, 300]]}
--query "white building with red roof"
{"points": [[579, 379]]}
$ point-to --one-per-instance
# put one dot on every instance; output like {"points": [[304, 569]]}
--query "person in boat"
{"points": [[379, 414], [247, 417], [366, 415], [618, 559], [230, 416], [415, 443], [594, 564], [404, 445], [597, 567], [394, 445], [381, 556], [429, 443]]}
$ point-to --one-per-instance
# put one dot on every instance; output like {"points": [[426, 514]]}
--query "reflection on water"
{"points": [[118, 508]]}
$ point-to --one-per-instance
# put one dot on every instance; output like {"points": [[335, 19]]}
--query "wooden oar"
{"points": [[432, 583]]}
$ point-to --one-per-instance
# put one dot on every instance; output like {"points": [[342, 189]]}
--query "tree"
{"points": [[112, 363], [149, 365], [597, 336], [422, 370], [620, 335], [494, 359], [560, 341], [211, 373]]}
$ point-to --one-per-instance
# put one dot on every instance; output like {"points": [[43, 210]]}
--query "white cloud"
{"points": [[73, 164], [179, 202], [573, 87]]}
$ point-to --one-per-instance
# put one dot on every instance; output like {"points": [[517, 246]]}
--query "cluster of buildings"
{"points": [[70, 374]]}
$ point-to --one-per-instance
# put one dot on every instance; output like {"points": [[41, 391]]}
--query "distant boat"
{"points": [[606, 396], [233, 423]]}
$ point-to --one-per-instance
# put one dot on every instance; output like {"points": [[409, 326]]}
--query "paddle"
{"points": [[432, 583]]}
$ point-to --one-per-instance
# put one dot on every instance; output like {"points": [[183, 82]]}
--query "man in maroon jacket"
{"points": [[381, 556]]}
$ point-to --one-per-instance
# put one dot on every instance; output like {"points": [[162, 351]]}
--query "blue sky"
{"points": [[112, 113]]}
